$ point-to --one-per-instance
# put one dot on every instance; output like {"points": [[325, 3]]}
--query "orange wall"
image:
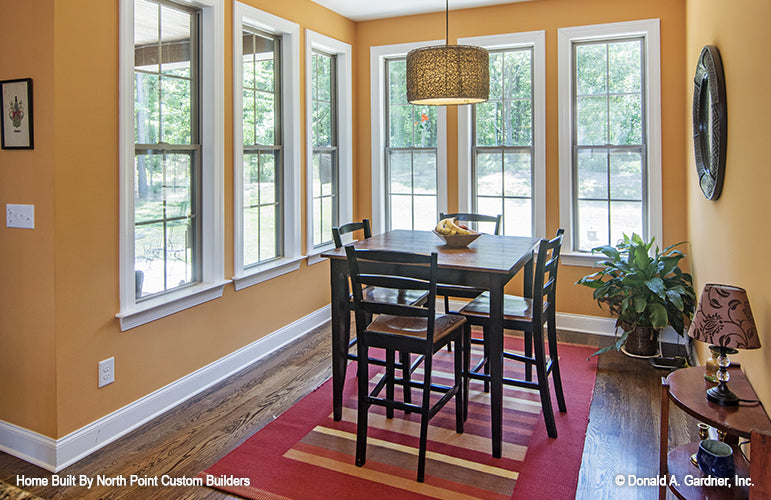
{"points": [[730, 236], [27, 343], [59, 283], [548, 15]]}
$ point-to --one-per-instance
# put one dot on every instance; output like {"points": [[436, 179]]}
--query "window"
{"points": [[171, 161], [408, 148], [504, 172], [610, 146], [410, 155], [266, 143], [262, 153], [329, 139], [325, 183]]}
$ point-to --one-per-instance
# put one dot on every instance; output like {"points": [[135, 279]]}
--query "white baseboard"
{"points": [[579, 323], [56, 454]]}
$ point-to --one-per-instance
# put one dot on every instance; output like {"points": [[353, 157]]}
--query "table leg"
{"points": [[664, 435], [495, 332], [340, 333]]}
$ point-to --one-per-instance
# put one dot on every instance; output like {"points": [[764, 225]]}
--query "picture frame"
{"points": [[16, 116]]}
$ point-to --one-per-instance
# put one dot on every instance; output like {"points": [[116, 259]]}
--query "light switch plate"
{"points": [[21, 216]]}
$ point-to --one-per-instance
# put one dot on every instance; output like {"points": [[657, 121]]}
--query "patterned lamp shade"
{"points": [[448, 74], [724, 318]]}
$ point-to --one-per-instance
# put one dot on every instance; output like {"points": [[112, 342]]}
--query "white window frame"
{"points": [[134, 313], [289, 34], [649, 30], [537, 41], [344, 111], [378, 55]]}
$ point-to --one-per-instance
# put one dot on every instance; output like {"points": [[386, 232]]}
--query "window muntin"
{"points": [[503, 154], [609, 143], [324, 140], [262, 149], [167, 149], [410, 155]]}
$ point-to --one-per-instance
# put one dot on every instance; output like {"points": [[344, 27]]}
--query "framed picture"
{"points": [[16, 116]]}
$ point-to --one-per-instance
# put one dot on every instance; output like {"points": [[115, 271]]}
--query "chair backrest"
{"points": [[338, 232], [469, 217], [396, 270], [545, 278]]}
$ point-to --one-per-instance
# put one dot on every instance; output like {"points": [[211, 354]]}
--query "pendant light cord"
{"points": [[447, 22]]}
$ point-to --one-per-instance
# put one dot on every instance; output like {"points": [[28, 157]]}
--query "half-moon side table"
{"points": [[687, 388]]}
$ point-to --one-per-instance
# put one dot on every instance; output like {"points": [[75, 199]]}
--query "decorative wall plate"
{"points": [[709, 121]]}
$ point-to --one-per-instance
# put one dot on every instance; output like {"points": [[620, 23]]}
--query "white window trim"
{"points": [[378, 55], [133, 313], [290, 103], [649, 29], [536, 40], [344, 101]]}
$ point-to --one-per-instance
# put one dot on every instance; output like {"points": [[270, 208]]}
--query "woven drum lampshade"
{"points": [[448, 74]]}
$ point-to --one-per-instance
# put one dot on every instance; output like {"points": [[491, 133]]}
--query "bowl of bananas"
{"points": [[453, 234]]}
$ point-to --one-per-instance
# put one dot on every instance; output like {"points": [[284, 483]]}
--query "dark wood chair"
{"points": [[467, 292], [403, 328], [381, 294], [529, 316]]}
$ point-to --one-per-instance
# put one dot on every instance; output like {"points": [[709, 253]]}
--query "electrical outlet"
{"points": [[106, 372], [22, 216]]}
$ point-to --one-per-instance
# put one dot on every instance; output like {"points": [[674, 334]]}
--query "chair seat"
{"points": [[415, 327], [392, 296], [515, 308]]}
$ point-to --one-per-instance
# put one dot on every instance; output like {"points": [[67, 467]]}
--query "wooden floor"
{"points": [[622, 436]]}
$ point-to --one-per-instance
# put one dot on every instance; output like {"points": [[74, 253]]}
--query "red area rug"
{"points": [[306, 454]]}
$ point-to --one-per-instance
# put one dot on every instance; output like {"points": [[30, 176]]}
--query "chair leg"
{"points": [[406, 362], [551, 332], [390, 375], [543, 381], [425, 412], [363, 404], [529, 354], [466, 367], [460, 398], [447, 311], [486, 354]]}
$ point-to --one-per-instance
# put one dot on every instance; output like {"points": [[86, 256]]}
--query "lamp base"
{"points": [[722, 395]]}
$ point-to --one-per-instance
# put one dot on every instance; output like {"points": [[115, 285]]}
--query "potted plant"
{"points": [[644, 291]]}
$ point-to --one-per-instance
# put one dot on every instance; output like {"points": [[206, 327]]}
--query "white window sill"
{"points": [[585, 259], [170, 303], [265, 272], [314, 257]]}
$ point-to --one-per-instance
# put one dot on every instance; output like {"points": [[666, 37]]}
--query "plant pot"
{"points": [[643, 341]]}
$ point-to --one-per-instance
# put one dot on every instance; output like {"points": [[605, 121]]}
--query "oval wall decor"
{"points": [[709, 121]]}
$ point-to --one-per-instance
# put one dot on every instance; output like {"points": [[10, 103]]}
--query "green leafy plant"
{"points": [[642, 289]]}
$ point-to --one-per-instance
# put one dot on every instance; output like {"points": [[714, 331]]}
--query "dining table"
{"points": [[487, 263]]}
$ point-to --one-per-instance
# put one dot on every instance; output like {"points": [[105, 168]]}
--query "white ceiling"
{"points": [[363, 10]]}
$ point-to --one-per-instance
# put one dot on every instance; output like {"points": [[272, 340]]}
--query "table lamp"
{"points": [[724, 319]]}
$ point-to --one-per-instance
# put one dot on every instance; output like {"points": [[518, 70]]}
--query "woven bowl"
{"points": [[457, 240]]}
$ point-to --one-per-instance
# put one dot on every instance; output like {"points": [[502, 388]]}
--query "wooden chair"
{"points": [[404, 328], [529, 316], [408, 297], [466, 292]]}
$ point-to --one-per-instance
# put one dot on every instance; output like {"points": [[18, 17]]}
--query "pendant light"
{"points": [[448, 74]]}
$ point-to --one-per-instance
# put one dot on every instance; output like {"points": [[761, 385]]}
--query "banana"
{"points": [[449, 226], [458, 229]]}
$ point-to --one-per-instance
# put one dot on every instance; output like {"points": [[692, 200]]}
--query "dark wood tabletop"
{"points": [[688, 390], [488, 253]]}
